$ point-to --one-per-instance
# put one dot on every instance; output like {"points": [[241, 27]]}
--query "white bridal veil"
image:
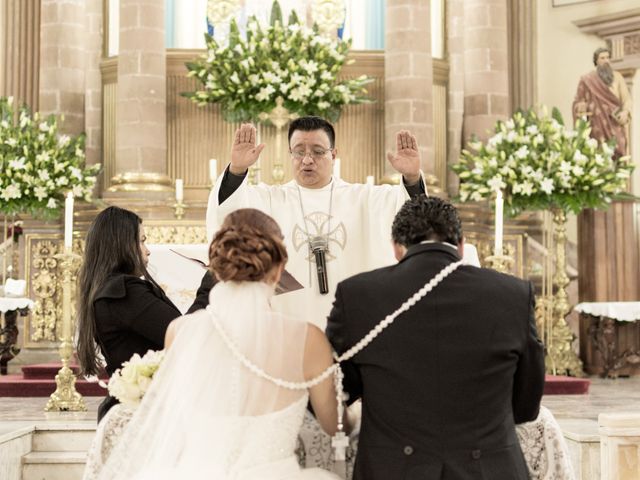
{"points": [[205, 414]]}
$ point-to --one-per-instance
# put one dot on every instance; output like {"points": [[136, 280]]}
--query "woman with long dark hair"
{"points": [[121, 309], [229, 397]]}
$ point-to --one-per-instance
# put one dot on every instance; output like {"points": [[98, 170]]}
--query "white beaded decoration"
{"points": [[366, 340], [339, 441]]}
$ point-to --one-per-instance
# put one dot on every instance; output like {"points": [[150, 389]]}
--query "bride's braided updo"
{"points": [[248, 246]]}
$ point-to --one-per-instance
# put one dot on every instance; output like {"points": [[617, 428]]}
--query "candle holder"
{"points": [[66, 398], [279, 116], [178, 209], [253, 174], [500, 263]]}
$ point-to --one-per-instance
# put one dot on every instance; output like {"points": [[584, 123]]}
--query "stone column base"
{"points": [[619, 445], [141, 182]]}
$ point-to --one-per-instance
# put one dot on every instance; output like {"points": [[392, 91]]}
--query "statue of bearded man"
{"points": [[604, 98]]}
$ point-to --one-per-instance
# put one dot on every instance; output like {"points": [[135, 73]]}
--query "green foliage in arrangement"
{"points": [[38, 166], [540, 164], [290, 61]]}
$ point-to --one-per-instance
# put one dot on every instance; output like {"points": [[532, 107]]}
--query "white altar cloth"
{"points": [[620, 311], [15, 303]]}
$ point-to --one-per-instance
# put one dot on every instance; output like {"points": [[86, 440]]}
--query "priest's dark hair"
{"points": [[309, 124], [426, 218], [112, 246]]}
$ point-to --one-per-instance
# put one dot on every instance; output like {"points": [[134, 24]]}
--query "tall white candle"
{"points": [[370, 180], [68, 220], [499, 223], [213, 170], [336, 168], [179, 190]]}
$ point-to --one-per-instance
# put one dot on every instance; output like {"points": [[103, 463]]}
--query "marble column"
{"points": [[455, 108], [93, 81], [409, 76], [141, 119], [62, 62], [486, 70]]}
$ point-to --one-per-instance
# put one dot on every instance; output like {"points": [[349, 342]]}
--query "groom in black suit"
{"points": [[444, 385]]}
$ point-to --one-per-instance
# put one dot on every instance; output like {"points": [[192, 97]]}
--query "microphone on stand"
{"points": [[319, 245]]}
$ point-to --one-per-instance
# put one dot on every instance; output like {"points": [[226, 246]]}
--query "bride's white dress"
{"points": [[205, 414]]}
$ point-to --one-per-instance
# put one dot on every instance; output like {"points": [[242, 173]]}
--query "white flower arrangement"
{"points": [[38, 165], [290, 61], [129, 383], [539, 164]]}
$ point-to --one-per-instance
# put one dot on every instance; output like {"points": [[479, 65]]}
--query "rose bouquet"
{"points": [[129, 383]]}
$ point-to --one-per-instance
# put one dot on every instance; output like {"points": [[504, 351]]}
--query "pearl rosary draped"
{"points": [[339, 440]]}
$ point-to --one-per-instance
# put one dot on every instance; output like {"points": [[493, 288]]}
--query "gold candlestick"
{"points": [[66, 398], [500, 263], [253, 174], [279, 117], [561, 358], [178, 209]]}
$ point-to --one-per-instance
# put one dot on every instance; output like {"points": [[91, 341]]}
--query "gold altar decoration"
{"points": [[279, 116], [6, 248], [176, 234], [141, 182], [66, 398], [560, 358], [513, 259], [45, 288], [500, 263], [178, 209]]}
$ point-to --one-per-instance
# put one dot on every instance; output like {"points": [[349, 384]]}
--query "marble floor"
{"points": [[605, 395], [576, 414]]}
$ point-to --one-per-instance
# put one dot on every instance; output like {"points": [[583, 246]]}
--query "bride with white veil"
{"points": [[206, 413]]}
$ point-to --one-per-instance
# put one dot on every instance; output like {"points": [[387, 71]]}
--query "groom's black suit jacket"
{"points": [[443, 386]]}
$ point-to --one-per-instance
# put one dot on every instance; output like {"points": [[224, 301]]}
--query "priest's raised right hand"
{"points": [[244, 151]]}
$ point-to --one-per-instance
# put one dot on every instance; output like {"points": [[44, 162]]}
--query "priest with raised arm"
{"points": [[333, 229]]}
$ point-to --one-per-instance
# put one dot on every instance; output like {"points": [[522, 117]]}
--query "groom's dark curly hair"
{"points": [[426, 218]]}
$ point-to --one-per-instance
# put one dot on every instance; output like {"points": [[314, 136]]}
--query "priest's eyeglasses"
{"points": [[316, 153]]}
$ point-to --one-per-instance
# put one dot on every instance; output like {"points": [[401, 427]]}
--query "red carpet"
{"points": [[38, 381], [559, 385]]}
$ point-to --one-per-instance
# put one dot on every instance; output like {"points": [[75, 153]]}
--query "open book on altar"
{"points": [[287, 282]]}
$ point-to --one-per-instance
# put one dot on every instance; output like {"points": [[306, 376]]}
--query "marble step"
{"points": [[62, 440], [53, 465]]}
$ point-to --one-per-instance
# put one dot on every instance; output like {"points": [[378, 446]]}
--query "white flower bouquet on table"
{"points": [[539, 163], [129, 383], [38, 165], [293, 62]]}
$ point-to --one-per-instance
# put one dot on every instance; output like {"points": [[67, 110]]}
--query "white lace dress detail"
{"points": [[542, 443], [107, 434], [544, 448]]}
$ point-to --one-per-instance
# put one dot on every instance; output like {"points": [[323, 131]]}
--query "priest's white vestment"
{"points": [[355, 218]]}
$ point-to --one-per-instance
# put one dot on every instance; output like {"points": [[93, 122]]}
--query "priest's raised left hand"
{"points": [[406, 159]]}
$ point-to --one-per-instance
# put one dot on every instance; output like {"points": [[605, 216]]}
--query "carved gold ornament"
{"points": [[181, 234], [45, 286]]}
